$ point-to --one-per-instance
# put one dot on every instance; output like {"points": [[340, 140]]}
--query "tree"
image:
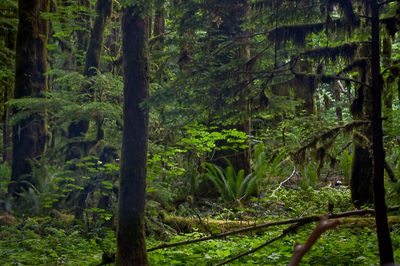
{"points": [[384, 241], [8, 34], [79, 128], [131, 247], [30, 134]]}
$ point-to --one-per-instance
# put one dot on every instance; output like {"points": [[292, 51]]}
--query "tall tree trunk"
{"points": [[362, 165], [92, 61], [131, 247], [159, 25], [83, 35], [382, 228], [92, 64], [8, 35], [387, 90], [227, 18], [243, 160], [29, 135]]}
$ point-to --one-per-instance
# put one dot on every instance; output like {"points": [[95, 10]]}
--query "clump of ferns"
{"points": [[318, 148]]}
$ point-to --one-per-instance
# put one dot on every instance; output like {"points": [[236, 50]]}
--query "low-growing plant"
{"points": [[233, 187]]}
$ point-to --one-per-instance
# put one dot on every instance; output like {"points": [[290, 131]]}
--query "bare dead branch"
{"points": [[301, 249], [284, 181]]}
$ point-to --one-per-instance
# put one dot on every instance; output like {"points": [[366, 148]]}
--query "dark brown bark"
{"points": [[7, 141], [387, 90], [227, 18], [92, 61], [83, 35], [29, 135], [79, 128], [362, 165], [159, 25], [131, 247], [8, 34], [382, 228]]}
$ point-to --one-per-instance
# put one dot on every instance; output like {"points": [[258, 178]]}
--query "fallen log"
{"points": [[255, 227]]}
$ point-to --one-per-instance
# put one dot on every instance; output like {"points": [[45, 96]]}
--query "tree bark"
{"points": [[227, 18], [29, 135], [159, 25], [382, 228], [131, 247], [83, 35], [8, 35], [92, 61], [92, 64], [362, 165]]}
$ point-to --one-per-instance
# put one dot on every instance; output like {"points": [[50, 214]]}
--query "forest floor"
{"points": [[58, 240]]}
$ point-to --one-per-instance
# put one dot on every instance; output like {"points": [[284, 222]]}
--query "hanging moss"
{"points": [[346, 51], [321, 143], [357, 64], [296, 33], [392, 25]]}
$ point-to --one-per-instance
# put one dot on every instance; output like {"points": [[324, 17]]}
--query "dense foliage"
{"points": [[258, 110]]}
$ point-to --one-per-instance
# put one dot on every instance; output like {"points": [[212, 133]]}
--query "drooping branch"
{"points": [[327, 137], [346, 51]]}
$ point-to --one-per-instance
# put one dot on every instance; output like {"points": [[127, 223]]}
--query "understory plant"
{"points": [[233, 187]]}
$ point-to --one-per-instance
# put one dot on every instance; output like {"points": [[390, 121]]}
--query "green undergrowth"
{"points": [[341, 247], [45, 242]]}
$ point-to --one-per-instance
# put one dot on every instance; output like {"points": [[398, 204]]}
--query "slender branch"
{"points": [[301, 249], [343, 90], [201, 222], [284, 181], [284, 233], [353, 80], [307, 219]]}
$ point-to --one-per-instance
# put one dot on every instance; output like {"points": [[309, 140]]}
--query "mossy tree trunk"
{"points": [[79, 128], [29, 135], [362, 164], [159, 25], [387, 90], [227, 18], [8, 35], [82, 34], [131, 247], [382, 228]]}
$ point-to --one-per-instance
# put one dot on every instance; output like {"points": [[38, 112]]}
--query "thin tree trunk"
{"points": [[92, 64], [29, 135], [159, 25], [131, 247], [382, 228], [8, 85], [362, 164], [83, 34], [92, 61]]}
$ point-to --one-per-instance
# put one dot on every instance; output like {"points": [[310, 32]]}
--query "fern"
{"points": [[233, 187]]}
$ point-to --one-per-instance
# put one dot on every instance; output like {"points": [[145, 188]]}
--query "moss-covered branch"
{"points": [[255, 227]]}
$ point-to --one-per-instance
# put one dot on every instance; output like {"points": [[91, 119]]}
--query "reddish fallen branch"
{"points": [[303, 220], [301, 249]]}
